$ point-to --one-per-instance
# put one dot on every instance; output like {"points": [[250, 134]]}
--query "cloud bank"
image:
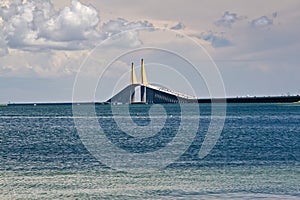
{"points": [[35, 25], [55, 36]]}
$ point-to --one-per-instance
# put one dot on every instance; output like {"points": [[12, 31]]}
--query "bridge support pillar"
{"points": [[143, 94]]}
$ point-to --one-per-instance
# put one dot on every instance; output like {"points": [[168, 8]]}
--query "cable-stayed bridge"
{"points": [[152, 94], [149, 94]]}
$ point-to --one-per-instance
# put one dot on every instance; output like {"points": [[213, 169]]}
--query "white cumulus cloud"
{"points": [[35, 25], [77, 22]]}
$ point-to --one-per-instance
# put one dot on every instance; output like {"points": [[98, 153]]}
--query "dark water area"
{"points": [[45, 137], [256, 156], [258, 134]]}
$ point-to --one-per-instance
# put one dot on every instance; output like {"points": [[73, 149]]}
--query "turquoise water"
{"points": [[256, 157]]}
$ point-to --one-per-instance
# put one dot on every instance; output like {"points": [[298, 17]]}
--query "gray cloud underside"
{"points": [[262, 21], [216, 40], [179, 26], [227, 19]]}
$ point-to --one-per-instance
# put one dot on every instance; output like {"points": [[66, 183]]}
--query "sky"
{"points": [[50, 47]]}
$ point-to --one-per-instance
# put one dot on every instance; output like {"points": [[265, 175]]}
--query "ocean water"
{"points": [[257, 156]]}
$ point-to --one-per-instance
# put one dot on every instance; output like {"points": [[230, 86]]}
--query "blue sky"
{"points": [[44, 45]]}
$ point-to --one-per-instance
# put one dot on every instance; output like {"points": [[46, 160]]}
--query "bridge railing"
{"points": [[181, 95]]}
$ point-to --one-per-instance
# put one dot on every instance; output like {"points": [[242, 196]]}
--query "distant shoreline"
{"points": [[269, 99]]}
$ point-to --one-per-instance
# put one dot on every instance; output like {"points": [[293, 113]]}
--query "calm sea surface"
{"points": [[256, 157]]}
